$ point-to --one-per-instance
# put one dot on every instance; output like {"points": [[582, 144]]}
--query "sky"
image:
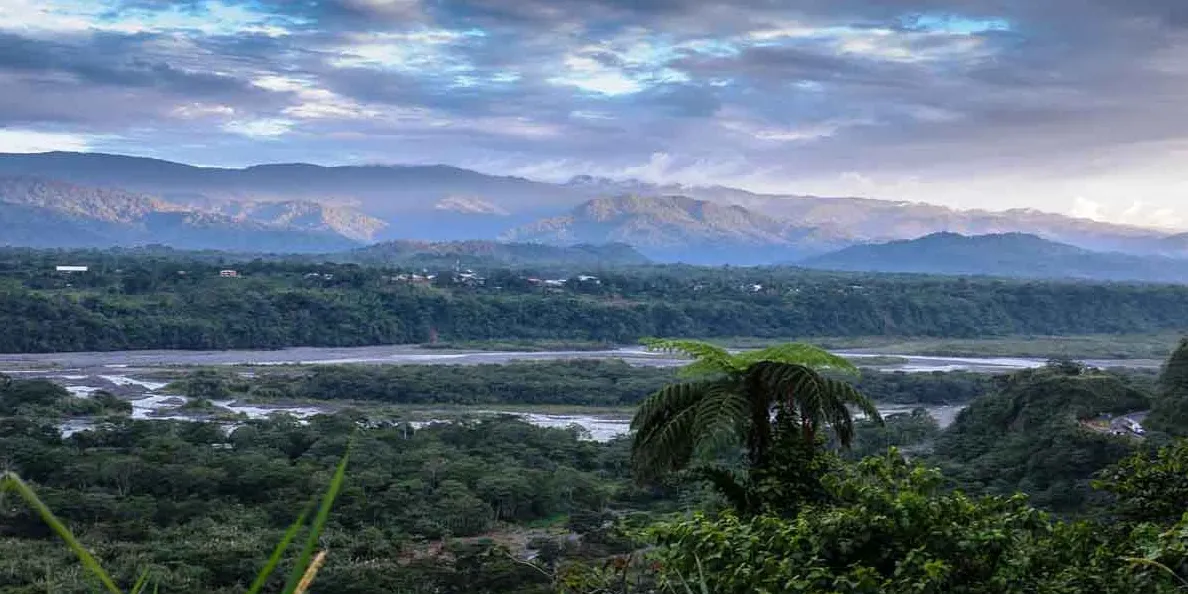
{"points": [[1072, 106]]}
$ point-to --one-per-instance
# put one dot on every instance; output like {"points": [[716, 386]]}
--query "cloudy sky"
{"points": [[1076, 106]]}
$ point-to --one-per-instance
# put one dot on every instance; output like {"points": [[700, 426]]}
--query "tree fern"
{"points": [[731, 398]]}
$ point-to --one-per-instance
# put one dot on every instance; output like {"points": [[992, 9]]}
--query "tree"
{"points": [[756, 398], [1170, 407], [1150, 488], [891, 527]]}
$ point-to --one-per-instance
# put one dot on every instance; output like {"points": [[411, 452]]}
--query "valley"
{"points": [[159, 398]]}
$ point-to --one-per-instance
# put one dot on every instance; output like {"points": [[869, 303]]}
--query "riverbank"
{"points": [[1156, 346]]}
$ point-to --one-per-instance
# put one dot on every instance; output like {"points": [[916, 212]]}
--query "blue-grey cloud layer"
{"points": [[1061, 104]]}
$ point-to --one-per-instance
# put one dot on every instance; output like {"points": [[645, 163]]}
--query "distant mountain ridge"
{"points": [[673, 225], [443, 203], [47, 213], [1017, 255]]}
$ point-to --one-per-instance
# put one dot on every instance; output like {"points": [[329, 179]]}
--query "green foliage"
{"points": [[303, 568], [38, 398], [1149, 487], [731, 402], [907, 431], [890, 529], [1027, 436], [578, 383], [1169, 412], [140, 299], [206, 385], [567, 383], [202, 510]]}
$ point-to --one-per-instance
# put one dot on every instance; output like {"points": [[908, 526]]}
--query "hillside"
{"points": [[491, 253], [1026, 436], [1005, 254], [45, 213], [677, 228], [306, 216]]}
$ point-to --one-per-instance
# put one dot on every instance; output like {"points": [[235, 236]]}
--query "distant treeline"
{"points": [[572, 383], [141, 303]]}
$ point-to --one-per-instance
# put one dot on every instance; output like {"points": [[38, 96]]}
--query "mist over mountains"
{"points": [[96, 200]]}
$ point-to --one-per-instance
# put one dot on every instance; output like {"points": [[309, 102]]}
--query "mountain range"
{"points": [[95, 199], [1018, 255], [679, 228], [46, 213]]}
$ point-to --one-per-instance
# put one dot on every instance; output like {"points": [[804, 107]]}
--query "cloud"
{"points": [[33, 141], [1071, 105], [265, 128], [1087, 209]]}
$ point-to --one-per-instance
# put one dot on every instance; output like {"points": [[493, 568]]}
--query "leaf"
{"points": [[707, 358], [663, 427], [797, 353], [311, 542], [279, 551], [141, 582]]}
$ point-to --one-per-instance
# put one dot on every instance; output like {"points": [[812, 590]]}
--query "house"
{"points": [[70, 269], [469, 278], [415, 279], [546, 282], [229, 273]]}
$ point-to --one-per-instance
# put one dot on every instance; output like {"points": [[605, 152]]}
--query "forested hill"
{"points": [[1005, 254], [140, 303]]}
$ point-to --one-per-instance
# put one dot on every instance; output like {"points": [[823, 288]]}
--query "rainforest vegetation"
{"points": [[706, 492], [179, 301]]}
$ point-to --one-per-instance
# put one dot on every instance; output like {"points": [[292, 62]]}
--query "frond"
{"points": [[664, 427], [855, 399], [721, 417], [797, 353], [707, 358], [814, 398], [784, 381]]}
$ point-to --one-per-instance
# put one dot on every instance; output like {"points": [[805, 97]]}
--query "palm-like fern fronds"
{"points": [[663, 426], [732, 399], [707, 358], [816, 400], [797, 354]]}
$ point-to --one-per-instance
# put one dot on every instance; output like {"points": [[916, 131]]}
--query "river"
{"points": [[131, 374]]}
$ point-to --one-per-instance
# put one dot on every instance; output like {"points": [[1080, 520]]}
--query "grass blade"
{"points": [[311, 542], [10, 481], [141, 582], [280, 549]]}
